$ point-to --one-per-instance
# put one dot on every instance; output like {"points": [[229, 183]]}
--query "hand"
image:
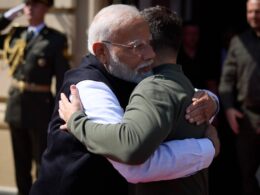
{"points": [[232, 114], [201, 110], [212, 134], [14, 12], [67, 108]]}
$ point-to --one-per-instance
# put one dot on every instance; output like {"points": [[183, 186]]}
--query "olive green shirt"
{"points": [[155, 113]]}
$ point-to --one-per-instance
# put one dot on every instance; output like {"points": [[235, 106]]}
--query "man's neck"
{"points": [[36, 29], [36, 22], [165, 58]]}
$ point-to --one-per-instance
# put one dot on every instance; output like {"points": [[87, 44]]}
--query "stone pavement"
{"points": [[7, 181]]}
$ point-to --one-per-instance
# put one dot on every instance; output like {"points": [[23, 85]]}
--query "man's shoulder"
{"points": [[89, 69], [148, 84], [242, 38], [165, 83], [16, 27], [243, 35], [153, 79]]}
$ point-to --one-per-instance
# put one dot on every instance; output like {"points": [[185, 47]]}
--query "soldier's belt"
{"points": [[25, 86]]}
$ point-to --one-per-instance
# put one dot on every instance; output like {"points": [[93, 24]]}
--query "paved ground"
{"points": [[7, 182], [8, 191]]}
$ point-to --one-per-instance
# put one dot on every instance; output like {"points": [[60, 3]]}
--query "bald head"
{"points": [[253, 15]]}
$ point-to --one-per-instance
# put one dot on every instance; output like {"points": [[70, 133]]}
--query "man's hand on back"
{"points": [[67, 108], [202, 109]]}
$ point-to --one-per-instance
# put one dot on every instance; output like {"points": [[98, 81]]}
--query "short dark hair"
{"points": [[165, 26], [49, 3]]}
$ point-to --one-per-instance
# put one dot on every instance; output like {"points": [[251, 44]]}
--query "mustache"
{"points": [[144, 65]]}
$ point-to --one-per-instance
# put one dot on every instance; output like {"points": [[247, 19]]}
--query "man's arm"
{"points": [[14, 12], [147, 122], [171, 160], [7, 17], [227, 86], [121, 143]]}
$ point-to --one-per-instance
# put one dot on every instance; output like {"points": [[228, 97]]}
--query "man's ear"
{"points": [[100, 51]]}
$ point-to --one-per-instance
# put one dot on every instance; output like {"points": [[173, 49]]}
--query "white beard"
{"points": [[122, 71]]}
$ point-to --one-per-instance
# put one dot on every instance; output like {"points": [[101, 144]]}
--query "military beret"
{"points": [[49, 3]]}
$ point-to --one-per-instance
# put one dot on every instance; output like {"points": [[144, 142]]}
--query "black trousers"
{"points": [[28, 145], [248, 152]]}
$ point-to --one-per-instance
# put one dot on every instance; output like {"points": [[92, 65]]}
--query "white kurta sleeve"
{"points": [[173, 159]]}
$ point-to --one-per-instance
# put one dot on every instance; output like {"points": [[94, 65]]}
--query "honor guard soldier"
{"points": [[35, 54]]}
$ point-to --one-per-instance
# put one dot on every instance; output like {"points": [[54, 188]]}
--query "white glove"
{"points": [[14, 12]]}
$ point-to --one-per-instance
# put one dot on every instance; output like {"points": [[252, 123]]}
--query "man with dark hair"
{"points": [[155, 113]]}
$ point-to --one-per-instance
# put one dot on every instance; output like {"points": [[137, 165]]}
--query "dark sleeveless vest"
{"points": [[67, 167]]}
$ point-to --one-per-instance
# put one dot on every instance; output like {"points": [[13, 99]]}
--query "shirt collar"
{"points": [[36, 29]]}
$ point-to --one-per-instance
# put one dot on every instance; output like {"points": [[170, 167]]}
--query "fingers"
{"points": [[234, 126], [239, 115], [199, 94], [74, 91], [62, 105], [75, 98], [64, 99], [61, 111], [202, 108], [201, 99], [195, 105], [67, 107], [197, 119], [232, 115], [64, 127], [197, 113]]}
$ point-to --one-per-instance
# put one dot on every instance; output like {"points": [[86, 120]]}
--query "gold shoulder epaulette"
{"points": [[15, 25]]}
